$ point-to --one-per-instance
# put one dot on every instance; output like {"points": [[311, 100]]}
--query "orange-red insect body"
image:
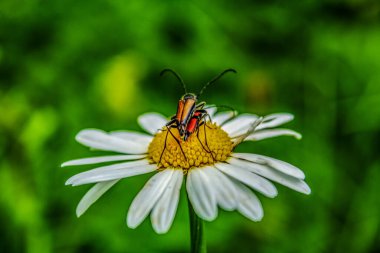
{"points": [[190, 115], [194, 123], [186, 109]]}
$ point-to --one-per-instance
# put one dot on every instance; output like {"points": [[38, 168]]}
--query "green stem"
{"points": [[198, 241]]}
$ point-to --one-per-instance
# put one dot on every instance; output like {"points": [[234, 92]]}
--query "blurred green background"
{"points": [[69, 65]]}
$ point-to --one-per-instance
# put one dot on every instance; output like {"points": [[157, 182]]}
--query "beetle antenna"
{"points": [[176, 75], [216, 79]]}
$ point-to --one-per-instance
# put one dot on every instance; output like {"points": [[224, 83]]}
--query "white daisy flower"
{"points": [[215, 174]]}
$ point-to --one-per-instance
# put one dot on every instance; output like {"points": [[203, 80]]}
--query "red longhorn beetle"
{"points": [[194, 123], [189, 114]]}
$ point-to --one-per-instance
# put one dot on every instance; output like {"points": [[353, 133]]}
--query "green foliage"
{"points": [[69, 65]]}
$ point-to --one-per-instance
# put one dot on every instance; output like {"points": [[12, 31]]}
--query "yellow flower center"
{"points": [[207, 146]]}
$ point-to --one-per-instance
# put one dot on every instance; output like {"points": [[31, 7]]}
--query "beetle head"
{"points": [[190, 96]]}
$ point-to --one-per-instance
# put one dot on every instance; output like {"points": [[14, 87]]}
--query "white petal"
{"points": [[111, 172], [164, 211], [239, 124], [223, 187], [152, 122], [201, 194], [248, 203], [93, 195], [252, 180], [222, 117], [99, 139], [211, 110], [264, 134], [142, 139], [147, 197], [275, 119], [279, 165], [272, 174], [101, 159]]}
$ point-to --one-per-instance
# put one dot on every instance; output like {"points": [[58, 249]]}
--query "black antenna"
{"points": [[176, 75], [215, 79]]}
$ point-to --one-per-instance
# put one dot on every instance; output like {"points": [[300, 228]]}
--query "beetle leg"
{"points": [[200, 105], [162, 153], [209, 117], [204, 130], [179, 144], [204, 115], [172, 122], [208, 150], [203, 111], [175, 138]]}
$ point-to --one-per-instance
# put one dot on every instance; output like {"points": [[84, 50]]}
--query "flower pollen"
{"points": [[208, 146]]}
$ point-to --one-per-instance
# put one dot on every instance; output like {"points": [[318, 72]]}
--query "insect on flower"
{"points": [[190, 115], [178, 153]]}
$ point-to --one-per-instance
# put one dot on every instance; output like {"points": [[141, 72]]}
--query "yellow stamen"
{"points": [[214, 146]]}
